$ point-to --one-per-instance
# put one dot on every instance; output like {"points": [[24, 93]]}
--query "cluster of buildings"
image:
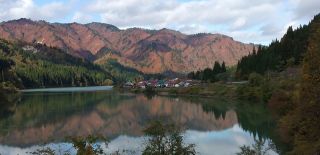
{"points": [[170, 83]]}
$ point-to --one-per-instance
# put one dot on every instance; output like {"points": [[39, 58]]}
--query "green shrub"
{"points": [[255, 79]]}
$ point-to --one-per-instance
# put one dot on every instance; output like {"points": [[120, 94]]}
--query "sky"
{"points": [[248, 21]]}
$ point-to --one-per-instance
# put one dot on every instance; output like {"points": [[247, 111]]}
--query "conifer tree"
{"points": [[216, 68], [223, 66], [307, 138]]}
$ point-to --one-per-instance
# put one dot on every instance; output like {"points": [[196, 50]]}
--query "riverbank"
{"points": [[6, 87], [69, 89], [204, 90]]}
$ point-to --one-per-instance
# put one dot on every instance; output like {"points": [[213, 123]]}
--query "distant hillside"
{"points": [[148, 51], [34, 65]]}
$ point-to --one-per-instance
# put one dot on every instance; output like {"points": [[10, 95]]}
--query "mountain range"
{"points": [[148, 51]]}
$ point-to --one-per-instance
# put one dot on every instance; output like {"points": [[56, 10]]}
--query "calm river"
{"points": [[45, 117]]}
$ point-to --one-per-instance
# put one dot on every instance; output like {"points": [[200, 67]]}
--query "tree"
{"points": [[223, 66], [307, 137], [278, 55], [166, 139], [257, 148], [83, 146], [300, 126], [191, 75], [216, 68], [209, 74], [5, 65]]}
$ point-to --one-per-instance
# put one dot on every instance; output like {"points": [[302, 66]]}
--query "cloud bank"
{"points": [[244, 20]]}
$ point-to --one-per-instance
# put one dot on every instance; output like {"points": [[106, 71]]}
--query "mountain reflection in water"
{"points": [[50, 117]]}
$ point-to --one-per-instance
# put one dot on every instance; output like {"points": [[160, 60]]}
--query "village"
{"points": [[163, 83]]}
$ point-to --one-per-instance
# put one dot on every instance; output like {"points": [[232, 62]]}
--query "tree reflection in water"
{"points": [[49, 117], [8, 103], [163, 139], [260, 147], [166, 139], [83, 145]]}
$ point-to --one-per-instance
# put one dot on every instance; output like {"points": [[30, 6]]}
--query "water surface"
{"points": [[215, 126], [69, 89]]}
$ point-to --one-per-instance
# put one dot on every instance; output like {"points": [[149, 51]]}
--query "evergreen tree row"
{"points": [[278, 55], [208, 74]]}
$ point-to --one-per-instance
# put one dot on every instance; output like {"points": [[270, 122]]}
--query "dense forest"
{"points": [[124, 74], [285, 76], [278, 55], [209, 74], [25, 65], [302, 123], [33, 66]]}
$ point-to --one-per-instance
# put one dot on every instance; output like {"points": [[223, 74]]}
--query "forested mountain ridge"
{"points": [[304, 120], [300, 123], [280, 54], [148, 51], [285, 77], [35, 65]]}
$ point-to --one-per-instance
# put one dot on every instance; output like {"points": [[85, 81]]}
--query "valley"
{"points": [[207, 84]]}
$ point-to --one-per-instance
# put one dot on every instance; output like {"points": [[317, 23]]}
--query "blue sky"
{"points": [[245, 20]]}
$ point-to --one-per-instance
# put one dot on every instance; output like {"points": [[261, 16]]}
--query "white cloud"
{"points": [[15, 9], [192, 28], [232, 17], [305, 8], [81, 18], [239, 23], [245, 20]]}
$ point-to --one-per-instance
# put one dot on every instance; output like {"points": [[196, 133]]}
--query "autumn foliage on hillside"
{"points": [[303, 122]]}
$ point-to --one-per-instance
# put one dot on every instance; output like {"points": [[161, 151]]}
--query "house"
{"points": [[128, 85], [142, 84], [181, 83], [172, 83], [187, 84], [40, 42], [161, 84], [152, 83]]}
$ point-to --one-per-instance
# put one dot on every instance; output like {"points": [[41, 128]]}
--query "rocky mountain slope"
{"points": [[149, 51]]}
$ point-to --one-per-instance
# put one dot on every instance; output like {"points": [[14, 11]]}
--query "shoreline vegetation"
{"points": [[292, 94], [217, 89]]}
